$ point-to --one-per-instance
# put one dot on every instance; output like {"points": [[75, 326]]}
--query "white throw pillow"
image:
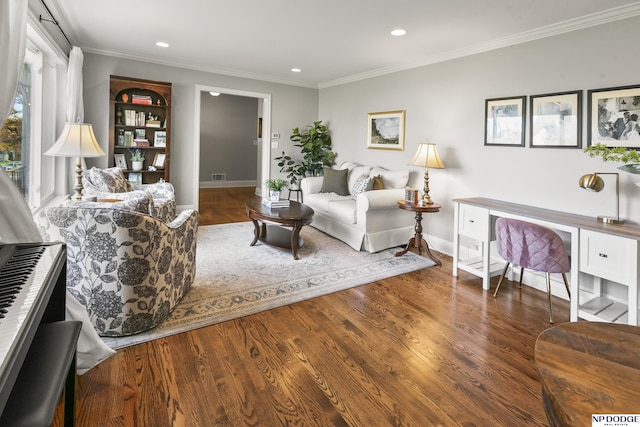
{"points": [[363, 183], [392, 179], [355, 173]]}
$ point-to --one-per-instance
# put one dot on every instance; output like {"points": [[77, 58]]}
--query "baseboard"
{"points": [[227, 184]]}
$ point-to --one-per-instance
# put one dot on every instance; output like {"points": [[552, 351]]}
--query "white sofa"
{"points": [[372, 220]]}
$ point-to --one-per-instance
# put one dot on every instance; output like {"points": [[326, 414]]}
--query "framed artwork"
{"points": [[504, 121], [135, 178], [160, 138], [121, 162], [556, 120], [613, 117], [158, 160], [385, 130]]}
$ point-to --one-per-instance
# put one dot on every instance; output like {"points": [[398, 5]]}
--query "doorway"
{"points": [[264, 144]]}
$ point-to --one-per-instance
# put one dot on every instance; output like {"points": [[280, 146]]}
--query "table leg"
{"points": [[295, 232], [418, 242], [256, 232], [423, 245]]}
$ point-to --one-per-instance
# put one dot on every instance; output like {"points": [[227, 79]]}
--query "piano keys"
{"points": [[32, 295]]}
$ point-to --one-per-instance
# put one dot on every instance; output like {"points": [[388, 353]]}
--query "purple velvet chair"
{"points": [[531, 246]]}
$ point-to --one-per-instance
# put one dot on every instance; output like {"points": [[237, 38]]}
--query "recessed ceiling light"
{"points": [[398, 32], [296, 70], [214, 93], [162, 44]]}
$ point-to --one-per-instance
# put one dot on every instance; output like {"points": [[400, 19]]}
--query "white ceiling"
{"points": [[332, 41]]}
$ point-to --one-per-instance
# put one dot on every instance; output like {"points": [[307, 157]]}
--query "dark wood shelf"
{"points": [[125, 88]]}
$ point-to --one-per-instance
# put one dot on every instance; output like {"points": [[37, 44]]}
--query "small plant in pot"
{"points": [[137, 159], [276, 185], [315, 146]]}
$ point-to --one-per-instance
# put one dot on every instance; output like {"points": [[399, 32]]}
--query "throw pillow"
{"points": [[335, 181], [110, 180], [377, 183], [363, 183], [393, 178]]}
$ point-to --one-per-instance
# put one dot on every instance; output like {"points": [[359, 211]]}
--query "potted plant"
{"points": [[630, 157], [315, 146], [137, 159], [276, 185]]}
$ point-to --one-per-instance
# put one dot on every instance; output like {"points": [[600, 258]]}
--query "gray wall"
{"points": [[445, 103], [228, 137], [291, 106]]}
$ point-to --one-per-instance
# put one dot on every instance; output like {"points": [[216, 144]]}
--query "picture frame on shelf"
{"points": [[135, 178], [385, 130], [160, 138], [504, 121], [120, 161], [158, 160], [556, 120], [612, 116]]}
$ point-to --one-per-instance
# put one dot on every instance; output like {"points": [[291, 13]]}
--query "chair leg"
{"points": [[521, 274], [501, 279], [566, 284], [549, 297]]}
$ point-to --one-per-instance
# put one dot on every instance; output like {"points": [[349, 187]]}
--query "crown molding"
{"points": [[193, 67], [587, 21]]}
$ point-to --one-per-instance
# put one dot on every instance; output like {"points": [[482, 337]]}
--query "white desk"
{"points": [[598, 252]]}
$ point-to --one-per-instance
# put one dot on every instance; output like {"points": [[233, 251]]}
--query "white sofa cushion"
{"points": [[391, 179], [321, 201], [343, 210]]}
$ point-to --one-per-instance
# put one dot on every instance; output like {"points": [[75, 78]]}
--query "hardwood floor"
{"points": [[420, 349]]}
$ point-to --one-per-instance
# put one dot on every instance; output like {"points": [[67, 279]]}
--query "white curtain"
{"points": [[13, 39], [75, 102]]}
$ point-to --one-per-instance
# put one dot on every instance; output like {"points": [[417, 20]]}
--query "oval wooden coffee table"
{"points": [[270, 224]]}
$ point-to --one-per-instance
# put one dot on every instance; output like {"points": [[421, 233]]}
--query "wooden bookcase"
{"points": [[140, 110]]}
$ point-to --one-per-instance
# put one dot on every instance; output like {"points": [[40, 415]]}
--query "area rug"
{"points": [[234, 279]]}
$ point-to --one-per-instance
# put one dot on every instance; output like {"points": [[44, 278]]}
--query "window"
{"points": [[31, 122], [15, 135]]}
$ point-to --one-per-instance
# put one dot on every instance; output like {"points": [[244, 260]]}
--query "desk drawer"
{"points": [[474, 222], [608, 256]]}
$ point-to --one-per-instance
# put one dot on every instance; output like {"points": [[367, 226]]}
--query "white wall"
{"points": [[292, 106], [445, 103]]}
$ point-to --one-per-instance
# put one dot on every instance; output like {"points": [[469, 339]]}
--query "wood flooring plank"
{"points": [[420, 349]]}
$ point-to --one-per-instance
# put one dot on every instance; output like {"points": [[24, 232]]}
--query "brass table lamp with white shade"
{"points": [[593, 182], [77, 140], [427, 157]]}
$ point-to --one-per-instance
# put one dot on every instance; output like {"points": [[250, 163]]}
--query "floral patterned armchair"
{"points": [[127, 268], [111, 184]]}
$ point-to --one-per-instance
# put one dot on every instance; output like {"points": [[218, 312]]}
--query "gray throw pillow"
{"points": [[335, 181]]}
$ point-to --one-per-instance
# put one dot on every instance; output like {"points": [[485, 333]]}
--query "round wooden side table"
{"points": [[417, 241]]}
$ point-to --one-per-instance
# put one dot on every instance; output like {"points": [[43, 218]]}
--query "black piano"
{"points": [[37, 345]]}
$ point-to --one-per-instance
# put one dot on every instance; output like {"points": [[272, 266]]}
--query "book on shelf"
{"points": [[153, 123], [128, 138], [276, 203], [130, 117], [141, 99], [141, 142]]}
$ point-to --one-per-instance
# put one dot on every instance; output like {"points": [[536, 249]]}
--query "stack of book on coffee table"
{"points": [[276, 203]]}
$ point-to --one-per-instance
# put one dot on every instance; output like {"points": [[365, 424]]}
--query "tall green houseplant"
{"points": [[315, 146]]}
